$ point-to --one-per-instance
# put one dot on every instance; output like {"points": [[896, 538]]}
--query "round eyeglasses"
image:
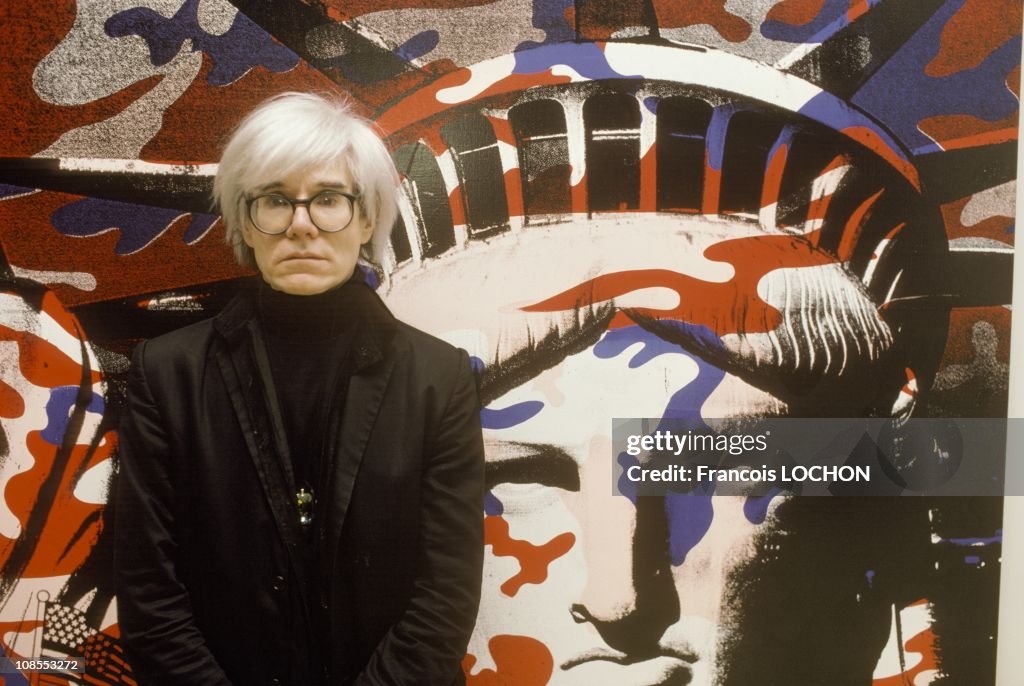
{"points": [[330, 211]]}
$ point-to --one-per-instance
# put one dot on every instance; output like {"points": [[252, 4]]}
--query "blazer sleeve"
{"points": [[428, 643], [155, 614]]}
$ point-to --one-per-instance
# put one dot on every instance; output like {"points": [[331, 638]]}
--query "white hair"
{"points": [[294, 131]]}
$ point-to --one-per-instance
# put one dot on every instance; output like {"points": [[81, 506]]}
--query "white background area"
{"points": [[1010, 656]]}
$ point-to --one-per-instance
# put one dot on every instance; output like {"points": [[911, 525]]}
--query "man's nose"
{"points": [[630, 597], [302, 224]]}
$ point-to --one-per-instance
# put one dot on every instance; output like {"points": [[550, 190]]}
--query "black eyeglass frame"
{"points": [[250, 202]]}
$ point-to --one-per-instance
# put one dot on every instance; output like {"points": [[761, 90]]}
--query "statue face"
{"points": [[617, 591]]}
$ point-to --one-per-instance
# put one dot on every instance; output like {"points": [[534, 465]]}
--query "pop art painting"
{"points": [[675, 210]]}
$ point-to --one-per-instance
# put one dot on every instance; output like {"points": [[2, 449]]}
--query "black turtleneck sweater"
{"points": [[309, 343]]}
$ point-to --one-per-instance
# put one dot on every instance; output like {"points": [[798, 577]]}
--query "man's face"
{"points": [[305, 260]]}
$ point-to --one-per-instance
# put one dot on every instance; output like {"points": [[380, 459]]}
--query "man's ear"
{"points": [[247, 234], [367, 230]]}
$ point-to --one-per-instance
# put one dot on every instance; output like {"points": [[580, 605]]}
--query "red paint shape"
{"points": [[21, 626], [977, 29], [857, 9], [518, 660], [533, 559], [196, 125], [674, 14], [730, 307], [923, 643], [42, 363], [712, 188], [341, 10], [910, 388], [457, 208], [420, 106], [649, 180], [502, 130], [994, 227], [63, 528], [31, 32], [71, 526], [855, 225], [958, 131], [960, 349], [795, 12], [31, 242], [423, 104], [12, 405]]}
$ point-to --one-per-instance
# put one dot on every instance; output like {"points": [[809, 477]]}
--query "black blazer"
{"points": [[212, 587]]}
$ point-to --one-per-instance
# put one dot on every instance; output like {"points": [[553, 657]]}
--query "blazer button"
{"points": [[275, 682], [278, 583]]}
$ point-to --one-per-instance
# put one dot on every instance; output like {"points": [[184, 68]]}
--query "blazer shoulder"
{"points": [[431, 350]]}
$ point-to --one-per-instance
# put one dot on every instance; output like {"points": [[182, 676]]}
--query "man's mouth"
{"points": [[301, 256]]}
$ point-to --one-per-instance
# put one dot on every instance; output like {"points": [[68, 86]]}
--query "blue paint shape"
{"points": [[369, 276], [689, 518], [7, 191], [687, 401], [980, 92], [700, 336], [832, 17], [418, 46], [550, 17], [870, 576], [11, 677], [492, 506], [586, 59], [616, 341], [511, 415], [715, 137], [972, 559], [651, 103], [242, 47], [58, 410], [755, 508], [967, 542], [476, 364], [139, 225]]}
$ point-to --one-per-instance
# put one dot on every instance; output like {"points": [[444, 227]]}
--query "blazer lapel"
{"points": [[255, 405], [371, 372]]}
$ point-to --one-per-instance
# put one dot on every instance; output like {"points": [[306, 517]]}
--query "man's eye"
{"points": [[327, 199], [276, 201]]}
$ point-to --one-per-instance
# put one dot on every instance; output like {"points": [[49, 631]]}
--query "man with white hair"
{"points": [[300, 493]]}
